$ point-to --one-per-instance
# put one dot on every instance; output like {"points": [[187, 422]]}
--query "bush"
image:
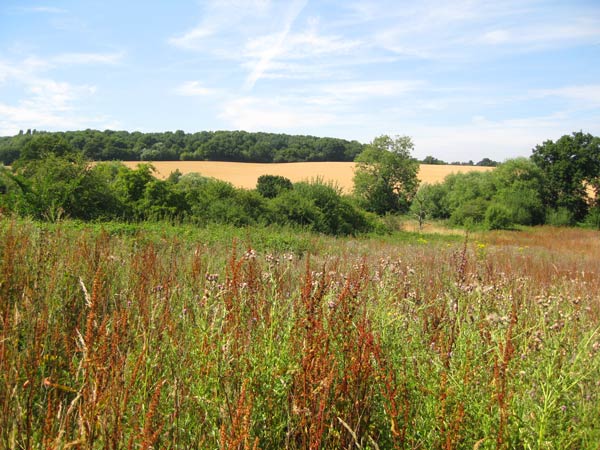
{"points": [[321, 208], [560, 217], [524, 205], [498, 217], [292, 207], [472, 212], [592, 219], [270, 186]]}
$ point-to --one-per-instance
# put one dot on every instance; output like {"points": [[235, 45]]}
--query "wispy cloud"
{"points": [[44, 102], [534, 37], [466, 28], [582, 96], [276, 46], [20, 117], [190, 39], [88, 58], [194, 89], [43, 10], [228, 16], [269, 41]]}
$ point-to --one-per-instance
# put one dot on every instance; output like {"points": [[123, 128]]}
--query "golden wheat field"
{"points": [[244, 175]]}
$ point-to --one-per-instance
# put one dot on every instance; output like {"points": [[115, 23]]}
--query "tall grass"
{"points": [[176, 339]]}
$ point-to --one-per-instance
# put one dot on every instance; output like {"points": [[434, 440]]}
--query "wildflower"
{"points": [[212, 277]]}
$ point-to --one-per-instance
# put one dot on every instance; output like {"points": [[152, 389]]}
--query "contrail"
{"points": [[269, 54]]}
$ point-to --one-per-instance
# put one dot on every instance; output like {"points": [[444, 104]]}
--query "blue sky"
{"points": [[465, 79]]}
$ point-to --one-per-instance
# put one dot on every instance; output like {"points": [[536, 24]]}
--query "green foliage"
{"points": [[431, 201], [293, 207], [321, 208], [498, 217], [567, 164], [55, 186], [487, 162], [514, 191], [385, 177], [593, 218], [40, 146], [432, 160], [271, 186], [521, 189], [10, 147], [9, 190], [168, 146], [560, 217], [160, 201], [468, 196], [469, 212]]}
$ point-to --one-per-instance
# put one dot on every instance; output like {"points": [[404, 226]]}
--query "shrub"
{"points": [[472, 211], [291, 207], [498, 217], [270, 186], [560, 217], [523, 205], [593, 218]]}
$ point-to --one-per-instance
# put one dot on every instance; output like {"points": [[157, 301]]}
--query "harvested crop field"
{"points": [[244, 175]]}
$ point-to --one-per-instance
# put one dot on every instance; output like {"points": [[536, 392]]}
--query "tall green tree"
{"points": [[568, 164], [385, 178]]}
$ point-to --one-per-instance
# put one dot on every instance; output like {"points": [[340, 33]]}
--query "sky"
{"points": [[465, 79]]}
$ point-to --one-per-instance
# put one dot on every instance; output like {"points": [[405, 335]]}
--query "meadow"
{"points": [[244, 175], [163, 336]]}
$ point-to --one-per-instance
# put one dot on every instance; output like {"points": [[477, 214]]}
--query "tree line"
{"points": [[234, 146], [239, 146]]}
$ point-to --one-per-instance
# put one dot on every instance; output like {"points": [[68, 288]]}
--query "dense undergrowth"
{"points": [[114, 336]]}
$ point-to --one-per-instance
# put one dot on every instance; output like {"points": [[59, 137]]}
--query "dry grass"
{"points": [[244, 175]]}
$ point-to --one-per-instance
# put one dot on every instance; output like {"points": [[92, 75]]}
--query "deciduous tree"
{"points": [[385, 178]]}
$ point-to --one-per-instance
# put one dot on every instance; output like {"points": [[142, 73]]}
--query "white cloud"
{"points": [[44, 9], [194, 89], [305, 54], [466, 29], [276, 45], [268, 40], [536, 36], [45, 102], [88, 58], [57, 96], [191, 38], [15, 118], [308, 43], [497, 37], [227, 16], [584, 96]]}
